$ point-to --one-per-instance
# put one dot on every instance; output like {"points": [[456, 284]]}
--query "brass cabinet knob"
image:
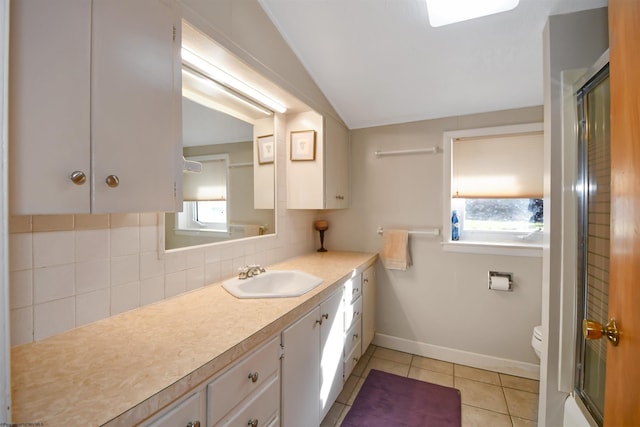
{"points": [[193, 424], [78, 178], [112, 181], [253, 423], [592, 330], [253, 377]]}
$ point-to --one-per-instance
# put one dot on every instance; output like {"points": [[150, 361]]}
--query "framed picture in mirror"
{"points": [[266, 149], [303, 145]]}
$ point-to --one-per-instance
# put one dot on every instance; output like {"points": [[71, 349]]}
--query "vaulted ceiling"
{"points": [[380, 62]]}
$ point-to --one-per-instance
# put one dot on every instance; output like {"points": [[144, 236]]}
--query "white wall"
{"points": [[571, 41], [441, 306]]}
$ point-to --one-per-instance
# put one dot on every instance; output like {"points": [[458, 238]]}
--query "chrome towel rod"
{"points": [[430, 150], [240, 165], [429, 232]]}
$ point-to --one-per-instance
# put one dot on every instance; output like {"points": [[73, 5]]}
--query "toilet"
{"points": [[536, 340]]}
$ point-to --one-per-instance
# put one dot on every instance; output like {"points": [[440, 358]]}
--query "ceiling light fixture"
{"points": [[196, 62], [444, 12]]}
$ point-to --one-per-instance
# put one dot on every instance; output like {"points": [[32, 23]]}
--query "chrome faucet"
{"points": [[250, 271]]}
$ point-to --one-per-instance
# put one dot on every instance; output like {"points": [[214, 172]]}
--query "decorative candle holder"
{"points": [[321, 225]]}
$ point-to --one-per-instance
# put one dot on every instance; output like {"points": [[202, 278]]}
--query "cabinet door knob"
{"points": [[112, 181], [78, 178], [253, 423], [355, 336], [253, 377], [193, 424]]}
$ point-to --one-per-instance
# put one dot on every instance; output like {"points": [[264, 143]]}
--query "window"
{"points": [[205, 196], [494, 183]]}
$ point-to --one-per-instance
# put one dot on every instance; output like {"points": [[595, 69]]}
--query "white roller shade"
{"points": [[210, 183], [498, 167]]}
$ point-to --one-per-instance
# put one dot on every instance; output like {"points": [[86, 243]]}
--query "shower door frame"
{"points": [[591, 79]]}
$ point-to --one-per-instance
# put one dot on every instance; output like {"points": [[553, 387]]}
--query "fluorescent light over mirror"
{"points": [[444, 12]]}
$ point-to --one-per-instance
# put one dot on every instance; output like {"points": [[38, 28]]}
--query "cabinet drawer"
{"points": [[190, 410], [353, 338], [260, 410], [352, 289], [226, 391], [352, 312], [350, 361]]}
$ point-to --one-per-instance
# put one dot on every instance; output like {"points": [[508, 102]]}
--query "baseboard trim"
{"points": [[476, 360]]}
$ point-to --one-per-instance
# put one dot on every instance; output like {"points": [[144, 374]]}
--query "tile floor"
{"points": [[488, 398]]}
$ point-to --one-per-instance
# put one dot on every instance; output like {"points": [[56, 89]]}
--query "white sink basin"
{"points": [[273, 284]]}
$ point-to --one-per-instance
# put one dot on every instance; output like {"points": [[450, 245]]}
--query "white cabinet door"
{"points": [[300, 371], [135, 102], [49, 105], [336, 157], [95, 89], [368, 306], [190, 412], [331, 350]]}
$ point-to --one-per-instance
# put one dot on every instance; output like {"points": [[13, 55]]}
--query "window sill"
{"points": [[507, 249], [201, 232]]}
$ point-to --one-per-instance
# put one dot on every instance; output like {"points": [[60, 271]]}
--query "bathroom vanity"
{"points": [[202, 357]]}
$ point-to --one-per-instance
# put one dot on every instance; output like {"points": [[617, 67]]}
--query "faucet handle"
{"points": [[243, 272]]}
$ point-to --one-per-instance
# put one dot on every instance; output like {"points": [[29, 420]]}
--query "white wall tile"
{"points": [[92, 275], [211, 273], [20, 251], [149, 239], [175, 261], [195, 258], [21, 325], [92, 306], [53, 283], [124, 269], [195, 278], [175, 283], [53, 248], [92, 244], [53, 317], [125, 241], [20, 289], [151, 290], [150, 265], [125, 297]]}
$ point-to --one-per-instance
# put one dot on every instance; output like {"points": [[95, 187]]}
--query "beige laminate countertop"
{"points": [[119, 370]]}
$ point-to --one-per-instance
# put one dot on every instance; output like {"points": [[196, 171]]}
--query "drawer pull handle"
{"points": [[193, 424], [355, 336], [253, 423], [253, 377], [366, 280], [355, 359], [324, 316]]}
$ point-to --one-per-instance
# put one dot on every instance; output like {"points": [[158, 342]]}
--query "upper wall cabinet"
{"points": [[317, 174], [94, 104]]}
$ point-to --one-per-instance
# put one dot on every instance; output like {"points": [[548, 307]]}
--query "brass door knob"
{"points": [[78, 178], [592, 330], [112, 181]]}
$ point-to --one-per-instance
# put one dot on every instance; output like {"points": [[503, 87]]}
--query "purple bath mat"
{"points": [[388, 400]]}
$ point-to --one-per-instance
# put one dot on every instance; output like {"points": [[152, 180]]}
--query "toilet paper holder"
{"points": [[500, 281]]}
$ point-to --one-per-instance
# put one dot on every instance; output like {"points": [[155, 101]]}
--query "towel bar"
{"points": [[430, 232], [430, 150]]}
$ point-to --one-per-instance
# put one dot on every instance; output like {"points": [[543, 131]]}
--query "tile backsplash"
{"points": [[70, 270]]}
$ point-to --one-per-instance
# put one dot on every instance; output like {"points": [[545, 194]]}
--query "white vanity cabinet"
{"points": [[321, 183], [352, 323], [312, 363], [95, 113], [247, 394], [368, 306]]}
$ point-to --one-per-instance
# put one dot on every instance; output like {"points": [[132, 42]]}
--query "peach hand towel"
{"points": [[395, 249]]}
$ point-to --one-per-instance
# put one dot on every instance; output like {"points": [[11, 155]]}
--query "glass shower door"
{"points": [[593, 236]]}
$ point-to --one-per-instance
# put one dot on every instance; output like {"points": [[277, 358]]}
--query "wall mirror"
{"points": [[228, 146]]}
